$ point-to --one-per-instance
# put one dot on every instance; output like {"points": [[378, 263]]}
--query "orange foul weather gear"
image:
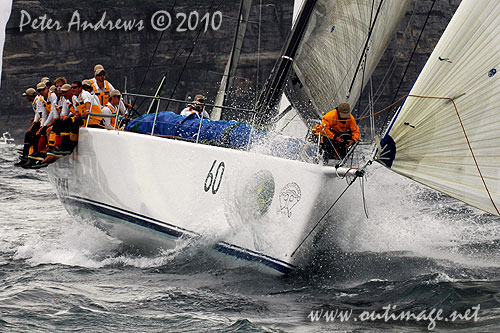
{"points": [[103, 96], [331, 126]]}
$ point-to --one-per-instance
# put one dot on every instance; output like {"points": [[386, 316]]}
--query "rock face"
{"points": [[192, 52]]}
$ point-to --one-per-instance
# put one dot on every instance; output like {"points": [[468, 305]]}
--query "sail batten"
{"points": [[455, 150]]}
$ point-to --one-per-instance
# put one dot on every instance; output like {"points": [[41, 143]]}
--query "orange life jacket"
{"points": [[114, 111], [81, 108], [47, 104], [103, 96]]}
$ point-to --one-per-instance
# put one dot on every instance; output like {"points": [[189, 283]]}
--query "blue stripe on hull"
{"points": [[177, 232]]}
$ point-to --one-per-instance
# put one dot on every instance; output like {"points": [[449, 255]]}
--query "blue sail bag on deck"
{"points": [[227, 132]]}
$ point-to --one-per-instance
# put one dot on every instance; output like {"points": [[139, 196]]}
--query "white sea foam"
{"points": [[407, 217], [84, 245]]}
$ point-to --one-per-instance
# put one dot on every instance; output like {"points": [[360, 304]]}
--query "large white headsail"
{"points": [[326, 69], [454, 147], [5, 8]]}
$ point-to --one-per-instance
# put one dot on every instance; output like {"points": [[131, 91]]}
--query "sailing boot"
{"points": [[21, 162], [28, 164], [38, 156], [52, 142], [38, 165], [66, 147]]}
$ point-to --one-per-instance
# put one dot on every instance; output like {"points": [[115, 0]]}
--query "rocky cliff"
{"points": [[57, 39]]}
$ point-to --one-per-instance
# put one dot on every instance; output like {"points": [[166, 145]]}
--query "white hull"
{"points": [[251, 206]]}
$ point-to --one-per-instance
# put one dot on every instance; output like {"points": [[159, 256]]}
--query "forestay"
{"points": [[454, 146], [330, 65]]}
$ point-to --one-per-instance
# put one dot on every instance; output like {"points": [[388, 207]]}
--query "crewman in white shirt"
{"points": [[84, 103], [87, 86], [32, 97], [53, 121], [112, 108], [102, 88], [43, 108], [67, 109], [67, 126], [54, 107], [196, 107]]}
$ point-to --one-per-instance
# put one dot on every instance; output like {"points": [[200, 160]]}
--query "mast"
{"points": [[228, 77], [266, 107]]}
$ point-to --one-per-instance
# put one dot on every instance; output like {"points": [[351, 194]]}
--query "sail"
{"points": [[289, 122], [447, 134], [342, 45], [5, 8], [297, 5]]}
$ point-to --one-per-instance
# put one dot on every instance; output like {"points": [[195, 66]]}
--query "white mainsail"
{"points": [[454, 146], [325, 70], [5, 9], [297, 4]]}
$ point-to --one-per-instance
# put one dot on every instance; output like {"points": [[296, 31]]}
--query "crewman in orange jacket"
{"points": [[339, 132]]}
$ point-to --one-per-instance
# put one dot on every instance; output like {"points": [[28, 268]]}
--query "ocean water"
{"points": [[419, 253]]}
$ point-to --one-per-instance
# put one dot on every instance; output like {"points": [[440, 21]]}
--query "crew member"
{"points": [[196, 107], [60, 103], [87, 86], [338, 132], [43, 109], [84, 102], [32, 97], [112, 108], [69, 124], [102, 88]]}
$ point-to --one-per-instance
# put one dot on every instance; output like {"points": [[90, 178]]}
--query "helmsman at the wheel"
{"points": [[338, 130]]}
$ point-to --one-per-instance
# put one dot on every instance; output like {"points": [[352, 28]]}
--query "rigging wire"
{"points": [[365, 48], [178, 52], [359, 173], [364, 65], [324, 215], [390, 70], [365, 206], [409, 62], [152, 58], [257, 83], [189, 55]]}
